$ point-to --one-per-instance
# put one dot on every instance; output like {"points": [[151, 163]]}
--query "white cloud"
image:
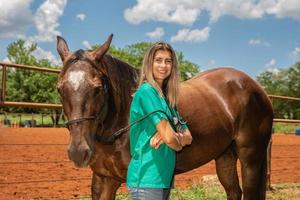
{"points": [[6, 60], [187, 35], [15, 18], [165, 11], [40, 53], [46, 20], [211, 63], [270, 64], [295, 52], [188, 74], [156, 34], [273, 70], [186, 12], [285, 8], [243, 9], [257, 42], [86, 44], [81, 16]]}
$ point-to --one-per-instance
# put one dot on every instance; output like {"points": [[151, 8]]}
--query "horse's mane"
{"points": [[122, 79]]}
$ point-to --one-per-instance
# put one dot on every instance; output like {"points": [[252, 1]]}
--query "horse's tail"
{"points": [[255, 125], [263, 178], [267, 129]]}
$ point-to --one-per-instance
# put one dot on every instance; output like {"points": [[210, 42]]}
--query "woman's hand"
{"points": [[167, 135], [156, 141], [184, 137]]}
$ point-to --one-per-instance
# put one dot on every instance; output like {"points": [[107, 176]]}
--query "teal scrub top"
{"points": [[149, 167]]}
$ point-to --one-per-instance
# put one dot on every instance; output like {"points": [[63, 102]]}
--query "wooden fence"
{"points": [[59, 106], [24, 104]]}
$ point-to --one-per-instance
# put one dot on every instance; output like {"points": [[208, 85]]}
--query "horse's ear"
{"points": [[62, 47], [100, 52]]}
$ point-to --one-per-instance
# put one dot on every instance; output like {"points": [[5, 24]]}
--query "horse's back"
{"points": [[216, 104], [224, 90]]}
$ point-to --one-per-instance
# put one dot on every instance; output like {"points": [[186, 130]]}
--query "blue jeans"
{"points": [[149, 193]]}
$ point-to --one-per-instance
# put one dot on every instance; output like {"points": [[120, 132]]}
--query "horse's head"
{"points": [[82, 86]]}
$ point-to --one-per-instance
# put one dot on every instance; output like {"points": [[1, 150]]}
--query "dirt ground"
{"points": [[34, 165]]}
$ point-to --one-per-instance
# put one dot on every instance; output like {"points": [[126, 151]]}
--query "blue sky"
{"points": [[250, 35]]}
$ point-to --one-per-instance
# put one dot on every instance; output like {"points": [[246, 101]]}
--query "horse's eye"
{"points": [[97, 89]]}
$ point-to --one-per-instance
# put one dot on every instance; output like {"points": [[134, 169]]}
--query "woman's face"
{"points": [[162, 65]]}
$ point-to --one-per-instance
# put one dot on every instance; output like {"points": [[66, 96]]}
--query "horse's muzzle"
{"points": [[81, 156]]}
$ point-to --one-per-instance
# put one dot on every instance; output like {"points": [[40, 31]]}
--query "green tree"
{"points": [[20, 53], [27, 85], [187, 69], [293, 89], [283, 82]]}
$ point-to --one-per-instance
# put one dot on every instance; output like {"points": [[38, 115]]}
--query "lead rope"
{"points": [[174, 122], [112, 137]]}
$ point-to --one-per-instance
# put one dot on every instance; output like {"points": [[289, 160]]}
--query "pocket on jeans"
{"points": [[134, 193]]}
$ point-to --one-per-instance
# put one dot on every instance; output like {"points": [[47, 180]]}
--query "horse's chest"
{"points": [[109, 165]]}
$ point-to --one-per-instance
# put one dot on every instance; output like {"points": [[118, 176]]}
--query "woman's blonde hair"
{"points": [[170, 84]]}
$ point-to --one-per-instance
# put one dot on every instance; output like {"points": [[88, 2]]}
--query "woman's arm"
{"points": [[168, 136], [184, 137]]}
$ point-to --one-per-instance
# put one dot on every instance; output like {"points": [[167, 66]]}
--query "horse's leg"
{"points": [[254, 170], [104, 188], [227, 174], [252, 139], [252, 144]]}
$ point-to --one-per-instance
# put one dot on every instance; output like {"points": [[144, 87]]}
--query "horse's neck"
{"points": [[124, 77], [124, 71]]}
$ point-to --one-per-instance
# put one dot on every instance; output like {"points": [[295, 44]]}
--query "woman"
{"points": [[154, 140]]}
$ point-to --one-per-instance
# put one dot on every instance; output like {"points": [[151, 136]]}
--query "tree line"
{"points": [[285, 82], [28, 86]]}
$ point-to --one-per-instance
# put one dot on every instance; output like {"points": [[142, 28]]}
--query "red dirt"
{"points": [[30, 171]]}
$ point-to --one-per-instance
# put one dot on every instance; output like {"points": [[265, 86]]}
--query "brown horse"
{"points": [[229, 115]]}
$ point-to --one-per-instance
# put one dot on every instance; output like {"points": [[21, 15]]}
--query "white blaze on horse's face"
{"points": [[76, 78]]}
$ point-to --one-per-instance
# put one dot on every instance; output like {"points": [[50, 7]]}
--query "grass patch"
{"points": [[285, 128], [284, 191], [21, 118], [199, 192]]}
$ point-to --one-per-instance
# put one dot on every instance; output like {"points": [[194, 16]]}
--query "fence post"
{"points": [[20, 119], [42, 120], [54, 120], [3, 89], [269, 156], [269, 152]]}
